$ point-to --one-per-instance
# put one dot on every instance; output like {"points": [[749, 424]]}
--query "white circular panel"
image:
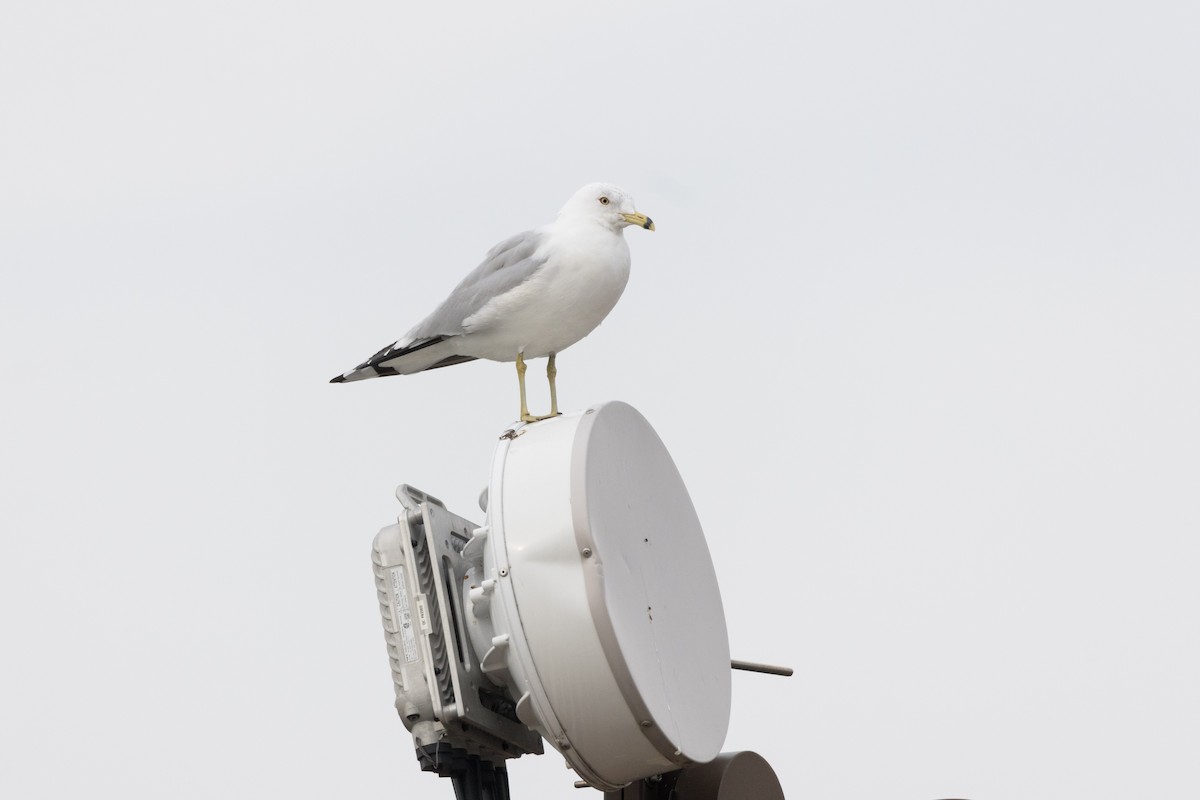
{"points": [[655, 579], [609, 614]]}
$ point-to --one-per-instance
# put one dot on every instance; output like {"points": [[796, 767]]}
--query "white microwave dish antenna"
{"points": [[604, 602], [585, 611]]}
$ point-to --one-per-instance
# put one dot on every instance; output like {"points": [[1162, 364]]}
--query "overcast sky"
{"points": [[919, 325]]}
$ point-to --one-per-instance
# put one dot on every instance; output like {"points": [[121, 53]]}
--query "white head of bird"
{"points": [[606, 204]]}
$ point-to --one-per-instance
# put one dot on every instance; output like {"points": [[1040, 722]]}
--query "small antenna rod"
{"points": [[750, 666]]}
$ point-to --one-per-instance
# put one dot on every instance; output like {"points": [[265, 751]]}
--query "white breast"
{"points": [[586, 271]]}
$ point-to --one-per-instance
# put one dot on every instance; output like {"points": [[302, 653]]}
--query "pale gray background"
{"points": [[919, 325]]}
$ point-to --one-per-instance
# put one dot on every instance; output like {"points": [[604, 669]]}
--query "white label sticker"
{"points": [[423, 614], [408, 639]]}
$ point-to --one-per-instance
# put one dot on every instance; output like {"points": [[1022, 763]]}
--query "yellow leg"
{"points": [[551, 374], [525, 415]]}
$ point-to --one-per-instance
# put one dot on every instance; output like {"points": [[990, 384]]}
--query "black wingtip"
{"points": [[338, 379]]}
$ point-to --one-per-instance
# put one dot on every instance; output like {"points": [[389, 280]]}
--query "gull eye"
{"points": [[603, 201]]}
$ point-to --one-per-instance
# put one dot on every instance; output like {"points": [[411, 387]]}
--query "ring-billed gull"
{"points": [[534, 295]]}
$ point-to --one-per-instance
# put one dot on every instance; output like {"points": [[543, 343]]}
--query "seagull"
{"points": [[534, 295]]}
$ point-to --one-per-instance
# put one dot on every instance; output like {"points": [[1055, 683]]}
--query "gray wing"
{"points": [[505, 267]]}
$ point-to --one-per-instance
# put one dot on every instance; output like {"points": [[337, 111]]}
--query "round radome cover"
{"points": [[610, 579]]}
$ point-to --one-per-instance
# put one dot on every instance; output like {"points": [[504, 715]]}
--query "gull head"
{"points": [[607, 204]]}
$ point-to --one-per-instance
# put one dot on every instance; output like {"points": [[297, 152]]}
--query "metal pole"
{"points": [[750, 666]]}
